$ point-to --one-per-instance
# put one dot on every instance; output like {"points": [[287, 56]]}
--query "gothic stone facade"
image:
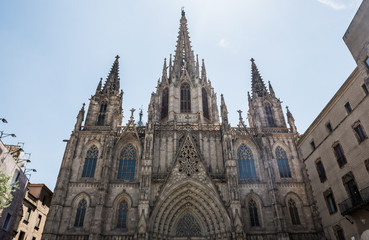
{"points": [[187, 174]]}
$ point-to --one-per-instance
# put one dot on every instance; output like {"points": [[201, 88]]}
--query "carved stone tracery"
{"points": [[188, 158]]}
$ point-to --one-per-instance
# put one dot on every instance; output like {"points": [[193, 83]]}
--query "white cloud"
{"points": [[334, 4], [224, 43]]}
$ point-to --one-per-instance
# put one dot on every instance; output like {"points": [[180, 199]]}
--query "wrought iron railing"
{"points": [[355, 203]]}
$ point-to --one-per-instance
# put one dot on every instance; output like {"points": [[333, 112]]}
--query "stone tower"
{"points": [[187, 174]]}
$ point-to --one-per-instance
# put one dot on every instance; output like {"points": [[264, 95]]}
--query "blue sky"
{"points": [[54, 52]]}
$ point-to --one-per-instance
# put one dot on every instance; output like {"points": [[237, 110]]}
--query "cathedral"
{"points": [[186, 174]]}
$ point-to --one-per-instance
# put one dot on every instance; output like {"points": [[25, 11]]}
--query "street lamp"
{"points": [[27, 170], [3, 120], [2, 134], [23, 160]]}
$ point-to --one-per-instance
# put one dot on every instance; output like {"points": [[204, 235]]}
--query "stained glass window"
{"points": [[90, 162], [205, 106], [269, 114], [164, 103], [253, 211], [185, 98], [188, 226], [122, 215], [127, 163], [246, 163], [282, 160], [81, 212], [293, 212]]}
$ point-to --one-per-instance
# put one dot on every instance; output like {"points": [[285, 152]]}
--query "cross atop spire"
{"points": [[112, 81], [184, 58], [258, 86]]}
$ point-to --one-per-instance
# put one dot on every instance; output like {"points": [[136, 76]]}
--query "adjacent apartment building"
{"points": [[32, 217], [335, 148], [10, 157]]}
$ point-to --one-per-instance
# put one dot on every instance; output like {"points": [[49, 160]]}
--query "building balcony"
{"points": [[353, 204]]}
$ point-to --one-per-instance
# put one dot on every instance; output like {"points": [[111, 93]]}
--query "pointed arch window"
{"points": [[282, 160], [127, 163], [185, 98], [164, 103], [205, 105], [188, 227], [294, 214], [246, 164], [90, 162], [81, 212], [253, 211], [122, 215], [269, 114], [101, 118]]}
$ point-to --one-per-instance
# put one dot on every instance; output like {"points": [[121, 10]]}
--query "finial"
{"points": [[117, 57], [140, 121], [239, 112], [252, 60], [183, 12], [132, 111]]}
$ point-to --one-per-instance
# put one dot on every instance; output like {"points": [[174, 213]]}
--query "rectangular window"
{"points": [[21, 235], [329, 200], [28, 214], [340, 156], [44, 200], [354, 193], [348, 108], [321, 171], [340, 234], [329, 127], [7, 221], [38, 221], [367, 165], [359, 132], [365, 89], [312, 144]]}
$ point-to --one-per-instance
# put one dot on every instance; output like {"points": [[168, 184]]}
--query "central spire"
{"points": [[184, 58], [258, 86], [112, 81]]}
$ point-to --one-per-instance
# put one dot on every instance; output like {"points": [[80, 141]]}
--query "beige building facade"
{"points": [[186, 174], [32, 216], [335, 148], [10, 163]]}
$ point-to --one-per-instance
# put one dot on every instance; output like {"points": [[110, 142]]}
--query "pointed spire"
{"points": [[258, 86], [80, 118], [271, 90], [197, 66], [184, 57], [112, 81], [223, 110], [249, 98], [291, 121], [98, 89], [164, 76], [170, 67], [203, 71]]}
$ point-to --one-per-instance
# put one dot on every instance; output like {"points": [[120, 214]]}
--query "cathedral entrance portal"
{"points": [[190, 211]]}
